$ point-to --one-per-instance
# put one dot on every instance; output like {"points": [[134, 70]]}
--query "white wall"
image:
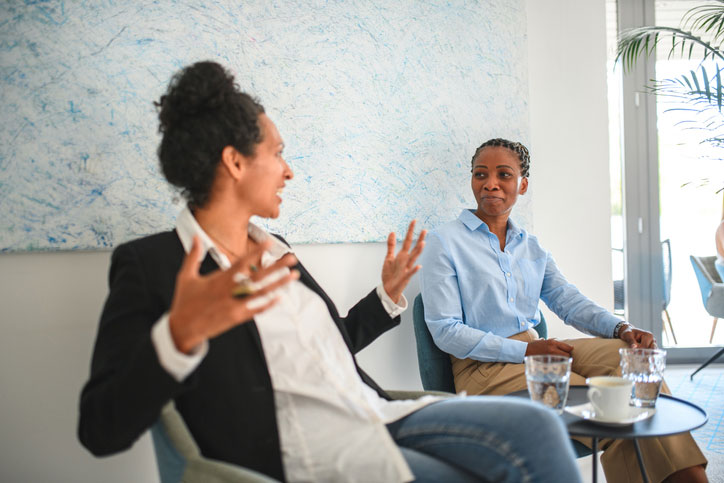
{"points": [[50, 302], [569, 144]]}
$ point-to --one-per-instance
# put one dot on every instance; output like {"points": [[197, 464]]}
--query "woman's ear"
{"points": [[523, 186], [232, 161]]}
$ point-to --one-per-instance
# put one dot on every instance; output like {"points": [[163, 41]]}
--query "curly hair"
{"points": [[518, 148], [201, 113]]}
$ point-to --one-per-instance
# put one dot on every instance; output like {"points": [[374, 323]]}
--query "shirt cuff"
{"points": [[176, 363], [391, 307], [512, 350]]}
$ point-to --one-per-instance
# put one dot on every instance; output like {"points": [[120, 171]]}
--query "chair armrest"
{"points": [[212, 471], [417, 394], [715, 302]]}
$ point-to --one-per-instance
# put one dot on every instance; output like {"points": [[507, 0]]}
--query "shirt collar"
{"points": [[187, 227], [470, 219], [514, 229]]}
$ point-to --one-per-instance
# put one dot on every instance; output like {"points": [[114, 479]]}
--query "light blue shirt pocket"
{"points": [[532, 272]]}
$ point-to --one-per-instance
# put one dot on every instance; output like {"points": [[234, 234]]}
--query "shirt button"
{"points": [[511, 299], [507, 274]]}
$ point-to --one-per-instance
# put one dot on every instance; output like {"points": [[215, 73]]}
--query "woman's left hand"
{"points": [[638, 339], [397, 270]]}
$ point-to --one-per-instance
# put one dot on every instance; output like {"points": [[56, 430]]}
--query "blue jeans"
{"points": [[486, 438]]}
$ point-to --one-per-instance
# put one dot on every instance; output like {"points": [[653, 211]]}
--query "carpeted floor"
{"points": [[707, 391]]}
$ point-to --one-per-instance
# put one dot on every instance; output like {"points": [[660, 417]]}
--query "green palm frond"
{"points": [[702, 26], [708, 19], [644, 40], [696, 87], [698, 94]]}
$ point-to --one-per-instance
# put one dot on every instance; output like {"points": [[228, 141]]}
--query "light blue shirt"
{"points": [[476, 296]]}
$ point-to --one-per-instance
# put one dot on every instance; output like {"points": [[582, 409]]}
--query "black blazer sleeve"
{"points": [[127, 386], [366, 321]]}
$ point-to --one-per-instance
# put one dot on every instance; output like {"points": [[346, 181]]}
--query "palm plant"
{"points": [[699, 37]]}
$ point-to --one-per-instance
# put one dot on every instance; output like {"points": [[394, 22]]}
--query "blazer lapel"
{"points": [[309, 282], [208, 265]]}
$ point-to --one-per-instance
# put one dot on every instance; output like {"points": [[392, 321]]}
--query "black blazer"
{"points": [[227, 401]]}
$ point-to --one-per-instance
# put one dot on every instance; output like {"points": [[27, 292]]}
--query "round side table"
{"points": [[673, 416]]}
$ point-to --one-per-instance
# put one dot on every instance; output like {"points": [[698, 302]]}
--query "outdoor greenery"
{"points": [[700, 90]]}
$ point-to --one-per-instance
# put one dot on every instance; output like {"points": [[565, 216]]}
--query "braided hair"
{"points": [[518, 148]]}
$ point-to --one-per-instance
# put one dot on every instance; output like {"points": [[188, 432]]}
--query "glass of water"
{"points": [[548, 377], [645, 367]]}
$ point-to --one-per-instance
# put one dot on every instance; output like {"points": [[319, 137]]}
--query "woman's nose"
{"points": [[288, 173], [490, 184]]}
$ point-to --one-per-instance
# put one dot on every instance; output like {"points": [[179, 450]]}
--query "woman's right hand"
{"points": [[203, 306], [548, 346]]}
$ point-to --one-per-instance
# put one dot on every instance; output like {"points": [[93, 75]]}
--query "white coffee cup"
{"points": [[609, 396]]}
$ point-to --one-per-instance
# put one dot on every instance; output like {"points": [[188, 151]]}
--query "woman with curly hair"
{"points": [[219, 317], [482, 280]]}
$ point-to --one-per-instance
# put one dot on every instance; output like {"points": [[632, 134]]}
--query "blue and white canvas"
{"points": [[381, 105]]}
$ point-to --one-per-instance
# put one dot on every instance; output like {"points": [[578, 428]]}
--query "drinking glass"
{"points": [[548, 377], [645, 367]]}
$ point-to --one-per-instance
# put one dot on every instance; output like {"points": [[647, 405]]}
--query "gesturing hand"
{"points": [[548, 346], [397, 270], [203, 306]]}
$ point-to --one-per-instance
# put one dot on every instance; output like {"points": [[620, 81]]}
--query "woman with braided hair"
{"points": [[482, 279]]}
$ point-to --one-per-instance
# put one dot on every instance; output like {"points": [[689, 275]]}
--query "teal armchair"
{"points": [[712, 296]]}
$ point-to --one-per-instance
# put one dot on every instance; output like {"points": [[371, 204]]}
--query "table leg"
{"points": [[712, 359], [594, 455], [641, 461]]}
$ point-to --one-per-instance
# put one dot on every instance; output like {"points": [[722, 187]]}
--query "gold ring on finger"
{"points": [[244, 289]]}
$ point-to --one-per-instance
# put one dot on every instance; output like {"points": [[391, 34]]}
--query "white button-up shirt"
{"points": [[331, 424]]}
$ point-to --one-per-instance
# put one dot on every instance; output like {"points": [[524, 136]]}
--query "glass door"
{"points": [[665, 200], [690, 174]]}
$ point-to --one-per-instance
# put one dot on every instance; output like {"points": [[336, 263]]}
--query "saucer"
{"points": [[586, 411]]}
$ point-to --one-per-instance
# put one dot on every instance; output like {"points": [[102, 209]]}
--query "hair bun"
{"points": [[202, 112], [200, 88]]}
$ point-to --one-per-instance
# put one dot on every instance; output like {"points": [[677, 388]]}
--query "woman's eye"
{"points": [[479, 175]]}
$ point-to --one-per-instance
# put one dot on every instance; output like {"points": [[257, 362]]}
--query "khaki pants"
{"points": [[591, 357]]}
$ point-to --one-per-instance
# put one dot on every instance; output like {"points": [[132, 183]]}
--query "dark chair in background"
{"points": [[712, 295], [436, 368], [619, 296]]}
